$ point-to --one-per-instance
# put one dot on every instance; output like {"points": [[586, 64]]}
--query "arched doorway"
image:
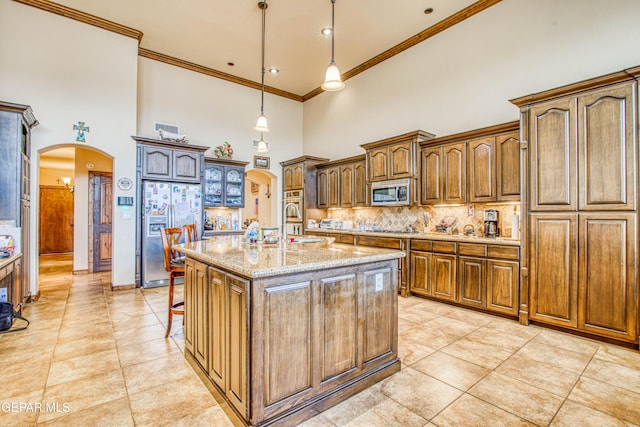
{"points": [[261, 198], [75, 206]]}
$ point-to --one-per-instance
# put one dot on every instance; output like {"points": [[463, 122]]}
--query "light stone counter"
{"points": [[265, 260], [427, 236]]}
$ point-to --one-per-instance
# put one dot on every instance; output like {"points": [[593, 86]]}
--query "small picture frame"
{"points": [[260, 162]]}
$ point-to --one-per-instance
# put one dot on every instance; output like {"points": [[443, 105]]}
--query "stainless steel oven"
{"points": [[293, 207]]}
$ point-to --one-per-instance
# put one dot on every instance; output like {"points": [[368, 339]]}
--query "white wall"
{"points": [[211, 111], [462, 78], [68, 72]]}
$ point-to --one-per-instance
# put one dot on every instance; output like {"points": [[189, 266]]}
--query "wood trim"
{"points": [[25, 110], [416, 135], [573, 88], [143, 140], [303, 159], [353, 159], [157, 56], [122, 288], [230, 162], [84, 17], [80, 272], [439, 27], [471, 134]]}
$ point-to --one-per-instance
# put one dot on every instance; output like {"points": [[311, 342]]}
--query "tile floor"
{"points": [[96, 357]]}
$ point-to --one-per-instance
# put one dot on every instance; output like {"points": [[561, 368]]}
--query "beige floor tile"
{"points": [[471, 411], [531, 403], [24, 377], [210, 417], [417, 315], [13, 414], [351, 408], [484, 355], [77, 368], [547, 377], [140, 334], [111, 414], [573, 414], [613, 374], [618, 355], [386, 414], [83, 346], [434, 337], [471, 317], [410, 352], [404, 324], [451, 370], [317, 421], [86, 393], [615, 401], [489, 336], [436, 307], [164, 370], [131, 354], [135, 322], [149, 407], [422, 394], [451, 325], [565, 359], [567, 342], [404, 303]]}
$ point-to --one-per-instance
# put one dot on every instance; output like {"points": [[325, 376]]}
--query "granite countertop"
{"points": [[6, 261], [207, 233], [264, 260], [428, 236]]}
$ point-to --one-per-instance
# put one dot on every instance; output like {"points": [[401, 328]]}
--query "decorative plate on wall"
{"points": [[125, 184]]}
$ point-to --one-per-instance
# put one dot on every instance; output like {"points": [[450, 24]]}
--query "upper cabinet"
{"points": [[342, 183], [167, 161], [224, 183], [395, 157], [478, 166], [293, 177]]}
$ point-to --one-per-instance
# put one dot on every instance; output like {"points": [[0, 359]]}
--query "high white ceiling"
{"points": [[213, 33]]}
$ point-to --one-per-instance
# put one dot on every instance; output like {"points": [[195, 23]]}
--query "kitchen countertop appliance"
{"points": [[491, 223]]}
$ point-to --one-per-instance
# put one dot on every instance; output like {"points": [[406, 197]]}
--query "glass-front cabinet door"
{"points": [[234, 187], [213, 183]]}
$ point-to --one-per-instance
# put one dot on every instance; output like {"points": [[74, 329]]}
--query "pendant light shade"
{"points": [[332, 79], [261, 123], [263, 147]]}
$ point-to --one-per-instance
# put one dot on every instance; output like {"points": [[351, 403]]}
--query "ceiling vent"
{"points": [[255, 143], [166, 127]]}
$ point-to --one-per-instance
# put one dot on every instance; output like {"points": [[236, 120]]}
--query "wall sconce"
{"points": [[66, 180]]}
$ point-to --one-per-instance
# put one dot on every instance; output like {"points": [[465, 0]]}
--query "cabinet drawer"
{"points": [[421, 245], [504, 252], [444, 247], [380, 242], [344, 238], [471, 249]]}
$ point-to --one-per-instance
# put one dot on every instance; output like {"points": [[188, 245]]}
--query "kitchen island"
{"points": [[288, 330]]}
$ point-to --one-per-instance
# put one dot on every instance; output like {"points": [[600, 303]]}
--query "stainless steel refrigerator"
{"points": [[166, 204]]}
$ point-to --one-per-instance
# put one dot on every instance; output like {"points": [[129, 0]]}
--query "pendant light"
{"points": [[332, 80], [263, 147], [261, 123]]}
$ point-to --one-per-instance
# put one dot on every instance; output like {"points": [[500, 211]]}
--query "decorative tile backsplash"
{"points": [[400, 218]]}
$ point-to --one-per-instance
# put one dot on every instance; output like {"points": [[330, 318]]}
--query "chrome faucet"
{"points": [[284, 218]]}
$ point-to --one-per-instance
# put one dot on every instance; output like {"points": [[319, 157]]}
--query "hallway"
{"points": [[97, 357]]}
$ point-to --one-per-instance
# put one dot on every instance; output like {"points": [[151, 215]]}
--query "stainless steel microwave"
{"points": [[391, 193]]}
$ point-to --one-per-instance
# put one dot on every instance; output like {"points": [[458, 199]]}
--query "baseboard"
{"points": [[79, 272], [36, 297]]}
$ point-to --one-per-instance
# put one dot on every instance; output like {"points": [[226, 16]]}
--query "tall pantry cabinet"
{"points": [[580, 260]]}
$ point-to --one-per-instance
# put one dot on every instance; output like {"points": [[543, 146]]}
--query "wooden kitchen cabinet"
{"points": [[342, 183], [346, 186], [223, 183], [293, 177], [390, 243], [434, 272], [333, 179], [322, 179], [502, 286], [582, 208], [394, 158], [217, 327], [508, 167], [443, 279], [189, 304], [443, 174], [171, 164], [360, 188], [482, 170], [420, 281], [472, 279]]}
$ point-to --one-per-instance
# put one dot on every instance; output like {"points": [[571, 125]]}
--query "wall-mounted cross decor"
{"points": [[81, 128]]}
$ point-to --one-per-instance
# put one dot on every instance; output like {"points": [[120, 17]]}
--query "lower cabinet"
{"points": [[475, 275], [390, 243], [216, 328]]}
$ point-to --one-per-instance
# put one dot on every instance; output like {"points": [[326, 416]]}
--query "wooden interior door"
{"points": [[56, 220], [102, 218]]}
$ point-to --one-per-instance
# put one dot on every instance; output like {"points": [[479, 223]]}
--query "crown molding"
{"points": [[83, 17], [156, 56], [446, 23]]}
